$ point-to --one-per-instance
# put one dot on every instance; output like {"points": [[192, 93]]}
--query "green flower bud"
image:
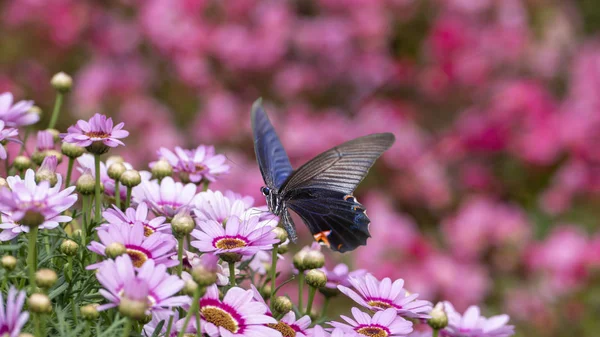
{"points": [[9, 262], [265, 291], [89, 312], [314, 259], [115, 249], [203, 276], [62, 82], [55, 134], [45, 278], [115, 159], [38, 157], [439, 319], [22, 163], [25, 334], [86, 184], [71, 150], [316, 278], [39, 304], [46, 175], [282, 249], [182, 225], [281, 234], [131, 178], [35, 110], [282, 304], [190, 287], [69, 247], [162, 169], [299, 259], [116, 170]]}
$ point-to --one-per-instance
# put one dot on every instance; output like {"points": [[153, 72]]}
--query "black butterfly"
{"points": [[320, 191]]}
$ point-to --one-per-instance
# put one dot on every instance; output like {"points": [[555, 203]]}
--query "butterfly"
{"points": [[320, 191]]}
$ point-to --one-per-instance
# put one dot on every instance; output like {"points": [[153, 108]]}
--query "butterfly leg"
{"points": [[288, 225]]}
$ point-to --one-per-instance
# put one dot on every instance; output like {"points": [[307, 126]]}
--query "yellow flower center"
{"points": [[148, 231], [137, 257], [372, 331], [379, 304], [97, 134], [286, 330], [230, 243], [220, 318]]}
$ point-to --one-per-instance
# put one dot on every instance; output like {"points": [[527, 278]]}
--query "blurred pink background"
{"points": [[491, 193]]}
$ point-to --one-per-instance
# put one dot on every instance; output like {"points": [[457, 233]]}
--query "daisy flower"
{"points": [[237, 315], [318, 331], [288, 325], [16, 115], [211, 205], [339, 275], [197, 164], [375, 295], [12, 317], [157, 247], [243, 237], [472, 324], [166, 198], [383, 324], [98, 129], [131, 216], [44, 141], [26, 197], [6, 135], [160, 286]]}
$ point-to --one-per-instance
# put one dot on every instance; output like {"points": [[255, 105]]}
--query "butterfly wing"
{"points": [[274, 163], [320, 191]]}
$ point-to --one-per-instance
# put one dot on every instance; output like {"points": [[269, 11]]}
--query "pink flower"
{"points": [[237, 315], [18, 114], [213, 205], [12, 317], [157, 247], [197, 164], [472, 324], [6, 135], [45, 141], [384, 323], [340, 275], [121, 279], [378, 295], [166, 198], [132, 216], [289, 323], [97, 129]]}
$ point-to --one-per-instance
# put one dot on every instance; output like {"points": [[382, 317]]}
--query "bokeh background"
{"points": [[491, 193]]}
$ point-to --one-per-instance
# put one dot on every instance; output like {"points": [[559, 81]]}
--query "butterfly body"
{"points": [[320, 191]]}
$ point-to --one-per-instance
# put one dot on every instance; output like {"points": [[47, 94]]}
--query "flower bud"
{"points": [[131, 178], [184, 177], [61, 82], [299, 259], [147, 319], [190, 287], [329, 292], [282, 304], [35, 110], [116, 170], [282, 249], [98, 147], [134, 309], [77, 234], [231, 257], [3, 182], [204, 276], [314, 259], [39, 304], [55, 134], [182, 224], [281, 234], [115, 159], [439, 319], [25, 334], [38, 157], [71, 150], [115, 249], [9, 262], [32, 219], [265, 291], [69, 247], [45, 278], [86, 184], [22, 163], [316, 278], [162, 169], [46, 175], [89, 312]]}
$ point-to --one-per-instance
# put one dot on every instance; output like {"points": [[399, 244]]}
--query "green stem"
{"points": [[273, 274], [98, 196], [180, 256], [198, 326], [127, 329], [193, 310], [86, 216], [169, 326], [300, 288], [311, 297], [117, 194], [55, 112], [32, 256], [435, 332], [37, 325], [128, 200], [74, 308], [205, 185], [27, 132], [325, 306], [69, 172], [231, 274]]}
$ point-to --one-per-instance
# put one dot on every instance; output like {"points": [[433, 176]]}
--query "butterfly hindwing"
{"points": [[341, 168], [335, 219], [272, 159]]}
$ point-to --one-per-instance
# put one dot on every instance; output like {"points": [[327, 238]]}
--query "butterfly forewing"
{"points": [[341, 168], [274, 163]]}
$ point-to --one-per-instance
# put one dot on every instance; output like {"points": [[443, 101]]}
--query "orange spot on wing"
{"points": [[321, 238]]}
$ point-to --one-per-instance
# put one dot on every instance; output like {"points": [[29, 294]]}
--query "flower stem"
{"points": [[27, 132], [69, 172], [32, 256], [98, 192], [127, 329], [198, 326], [180, 256], [273, 273], [231, 274], [311, 297], [128, 200], [117, 194], [193, 310], [37, 325], [74, 309], [325, 306], [56, 111], [169, 326], [300, 288], [85, 216], [435, 332]]}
